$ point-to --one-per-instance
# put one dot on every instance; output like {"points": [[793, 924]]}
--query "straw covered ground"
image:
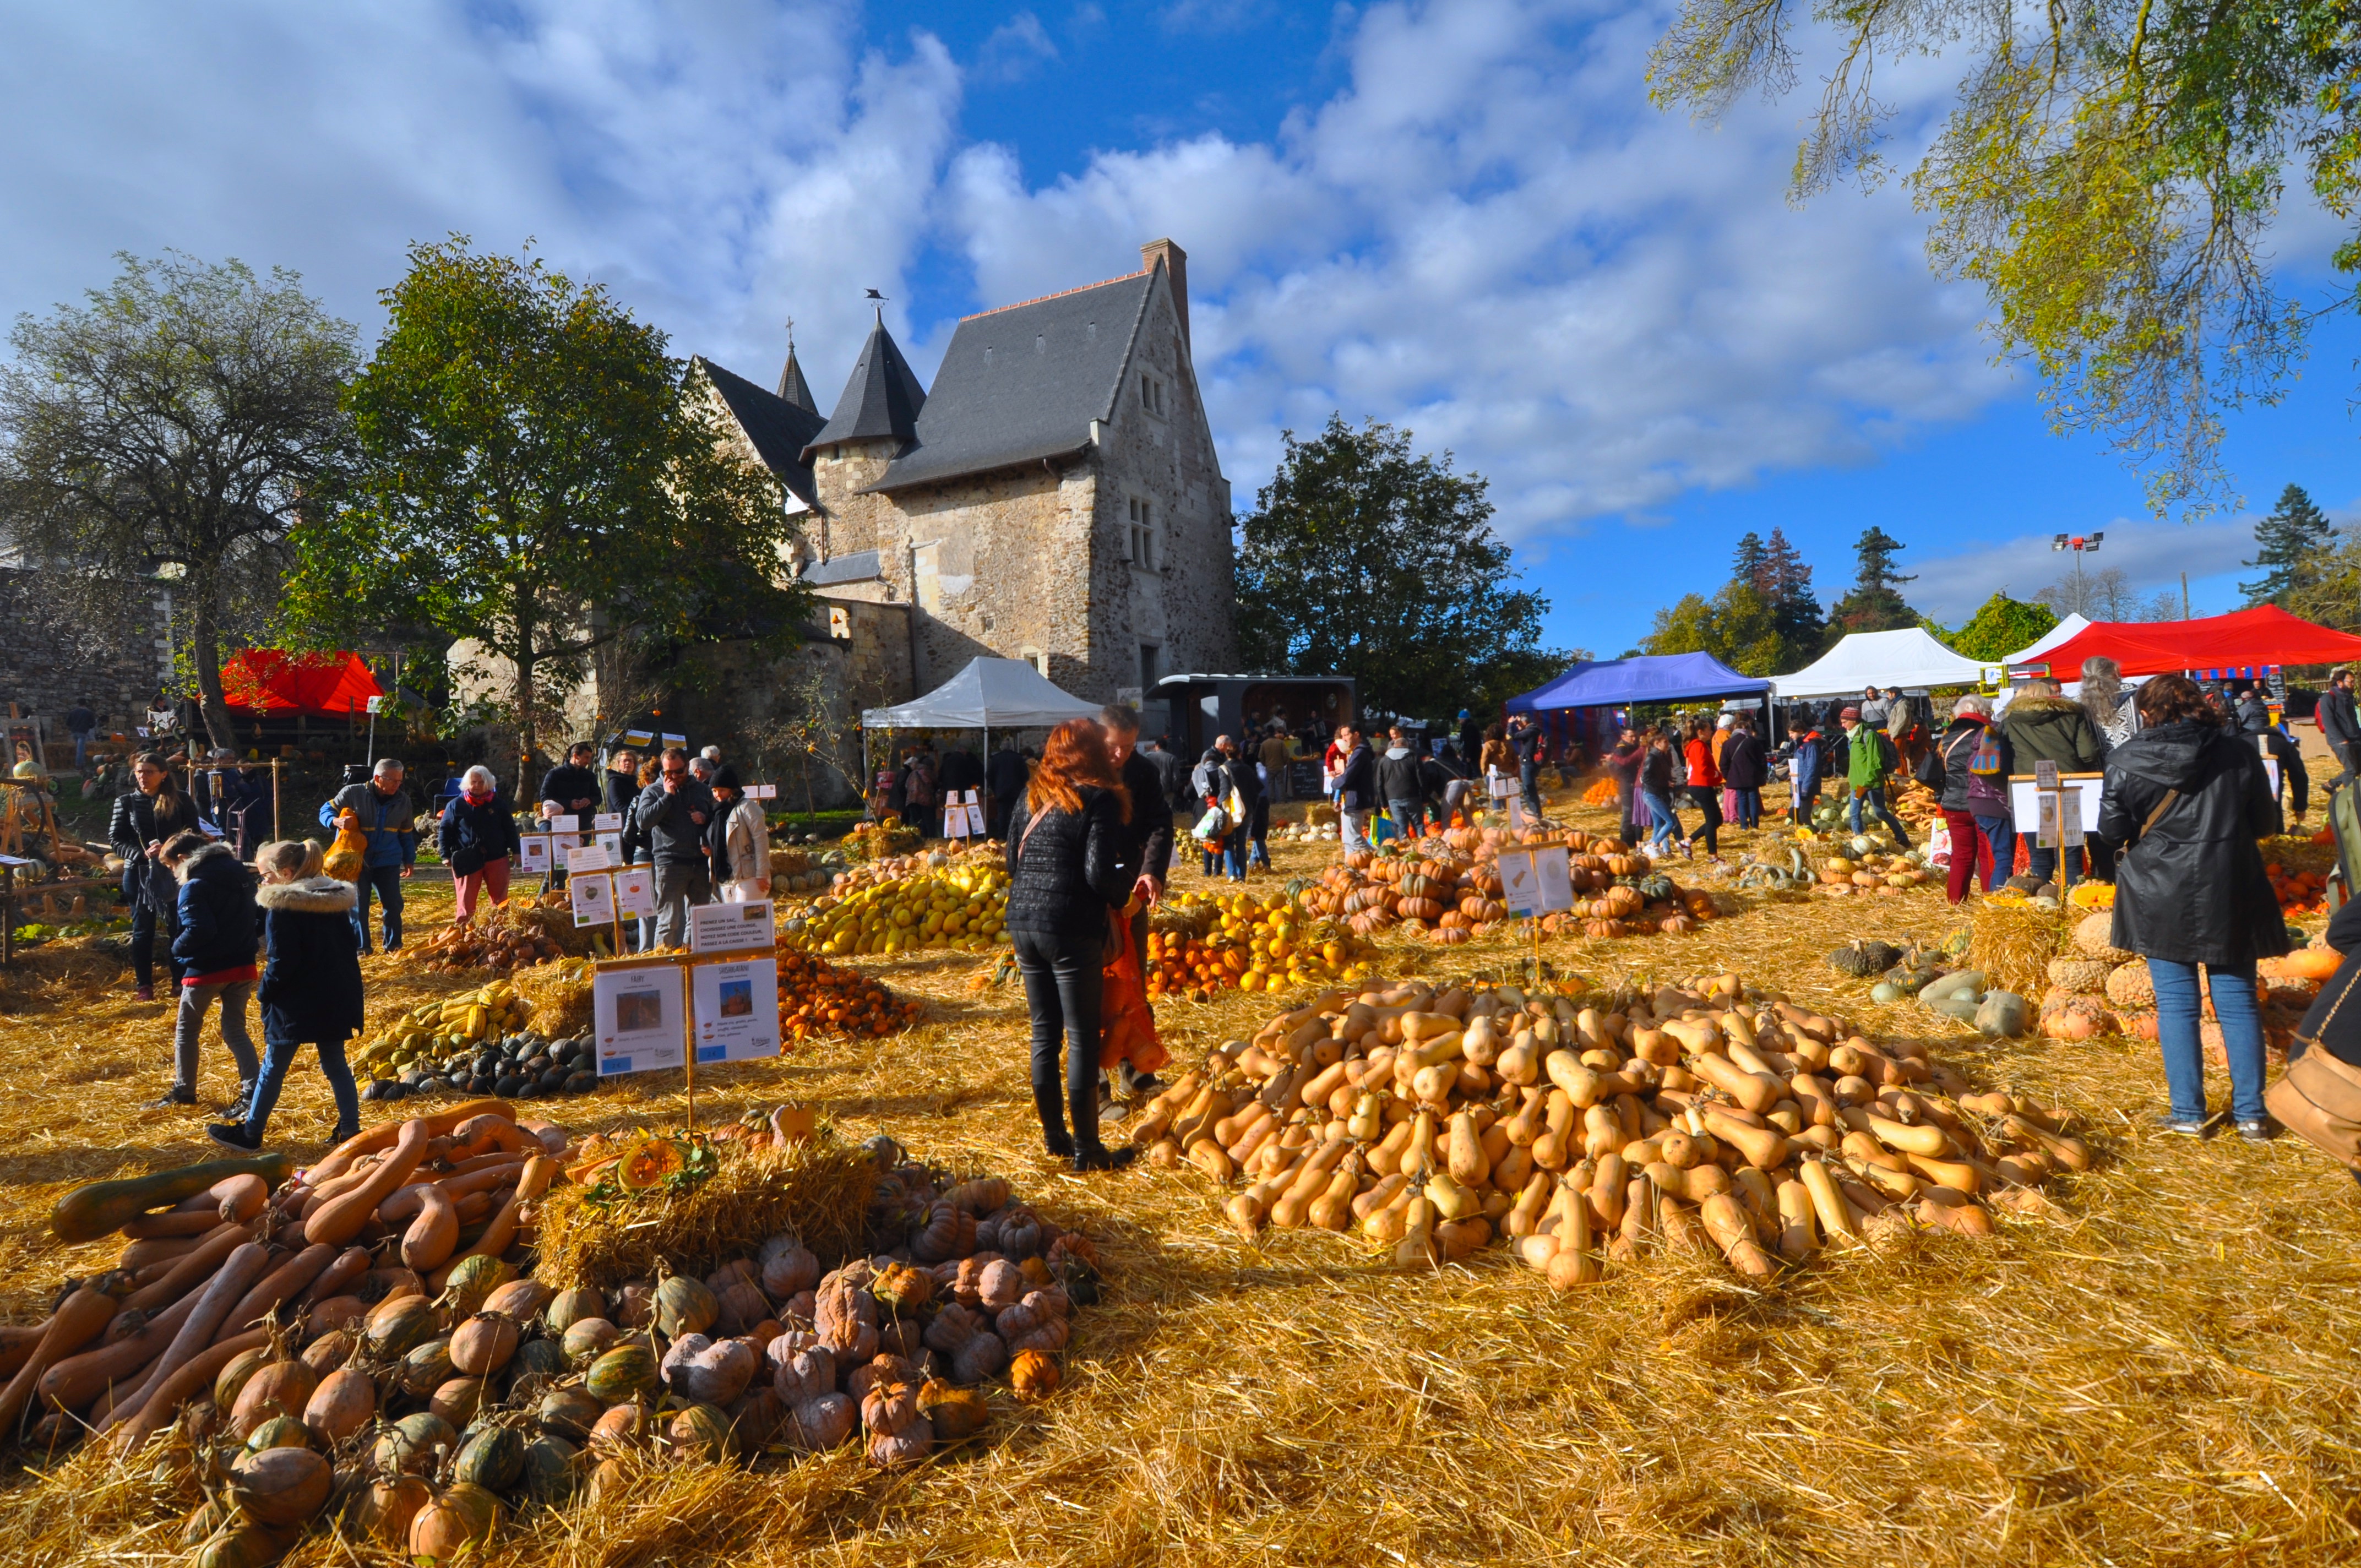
{"points": [[2160, 1373]]}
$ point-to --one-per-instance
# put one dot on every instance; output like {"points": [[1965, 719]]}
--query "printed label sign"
{"points": [[569, 823], [607, 821], [638, 1016], [737, 1009], [594, 899], [1535, 882], [731, 927], [580, 858], [532, 853], [635, 892]]}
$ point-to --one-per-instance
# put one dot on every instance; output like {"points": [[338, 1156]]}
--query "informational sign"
{"points": [[731, 927], [569, 823], [1518, 822], [594, 899], [1536, 882], [638, 739], [2059, 816], [2044, 775], [635, 892], [580, 858], [759, 792], [974, 817], [675, 740], [1501, 785], [954, 816], [2025, 797], [532, 853], [611, 846], [736, 1006], [607, 821], [640, 1016]]}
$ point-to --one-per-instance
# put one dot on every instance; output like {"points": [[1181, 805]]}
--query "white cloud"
{"points": [[1490, 237], [717, 165], [1015, 49]]}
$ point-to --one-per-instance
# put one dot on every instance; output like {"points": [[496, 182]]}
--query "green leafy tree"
{"points": [[1998, 628], [1364, 559], [2109, 172], [539, 478], [1747, 624], [178, 424], [1797, 617], [1875, 603], [2293, 545]]}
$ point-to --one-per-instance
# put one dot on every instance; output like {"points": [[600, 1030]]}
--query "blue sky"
{"points": [[1462, 218]]}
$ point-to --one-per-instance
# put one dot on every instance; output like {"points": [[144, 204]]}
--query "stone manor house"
{"points": [[1055, 497]]}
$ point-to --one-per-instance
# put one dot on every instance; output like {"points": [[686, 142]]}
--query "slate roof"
{"points": [[793, 388], [1022, 383], [779, 429], [859, 567], [882, 400]]}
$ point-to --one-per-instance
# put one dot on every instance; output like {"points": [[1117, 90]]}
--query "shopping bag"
{"points": [[1938, 845], [1126, 1024]]}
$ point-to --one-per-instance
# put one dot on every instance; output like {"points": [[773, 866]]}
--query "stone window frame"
{"points": [[1151, 394], [1140, 546]]}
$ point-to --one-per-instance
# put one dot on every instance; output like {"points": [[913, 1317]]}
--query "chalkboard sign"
{"points": [[1303, 778]]}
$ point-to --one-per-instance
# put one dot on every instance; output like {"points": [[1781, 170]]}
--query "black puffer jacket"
{"points": [[1147, 837], [216, 913], [1957, 744], [1072, 870], [311, 988], [471, 836], [2192, 890], [1398, 777], [130, 829], [1743, 765]]}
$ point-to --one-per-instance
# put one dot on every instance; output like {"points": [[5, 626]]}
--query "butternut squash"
{"points": [[388, 1134], [1828, 1203], [340, 1219], [1554, 1150], [1764, 1148], [1727, 1223], [1464, 1152]]}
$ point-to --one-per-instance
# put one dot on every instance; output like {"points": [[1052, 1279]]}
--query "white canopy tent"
{"points": [[2065, 630], [1886, 659], [989, 694]]}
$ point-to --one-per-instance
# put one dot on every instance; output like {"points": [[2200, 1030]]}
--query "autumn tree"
{"points": [[1364, 559], [177, 424], [1999, 628], [2109, 173], [539, 478]]}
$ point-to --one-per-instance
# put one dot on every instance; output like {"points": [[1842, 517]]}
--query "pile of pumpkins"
{"points": [[1199, 945], [439, 1029], [1434, 891], [1937, 983], [523, 1066], [2097, 988], [1710, 1117], [962, 906], [794, 874]]}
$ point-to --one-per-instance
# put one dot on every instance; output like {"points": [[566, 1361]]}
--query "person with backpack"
{"points": [[152, 814], [1975, 767], [2044, 726], [1869, 761]]}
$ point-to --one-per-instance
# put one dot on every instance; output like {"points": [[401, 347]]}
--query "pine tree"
{"points": [[1796, 611], [1752, 562], [2292, 545], [1875, 603]]}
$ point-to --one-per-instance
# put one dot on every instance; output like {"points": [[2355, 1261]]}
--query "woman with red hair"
{"points": [[1069, 868]]}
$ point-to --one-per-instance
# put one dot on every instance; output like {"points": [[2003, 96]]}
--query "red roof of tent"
{"points": [[2244, 643], [275, 681]]}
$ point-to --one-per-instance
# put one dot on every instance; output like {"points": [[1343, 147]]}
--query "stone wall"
{"points": [[995, 560], [53, 656]]}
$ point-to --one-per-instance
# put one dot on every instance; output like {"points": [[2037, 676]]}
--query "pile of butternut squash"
{"points": [[1594, 1128], [217, 1254]]}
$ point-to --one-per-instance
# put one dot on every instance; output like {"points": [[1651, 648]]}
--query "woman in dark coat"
{"points": [[311, 989], [2188, 800], [1745, 769], [141, 823], [1068, 872], [478, 840]]}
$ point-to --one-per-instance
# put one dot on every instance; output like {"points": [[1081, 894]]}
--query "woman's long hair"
{"points": [[1075, 755], [170, 803], [2103, 687]]}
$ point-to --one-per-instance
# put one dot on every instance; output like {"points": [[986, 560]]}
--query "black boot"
{"points": [[1054, 1136], [1100, 1157]]}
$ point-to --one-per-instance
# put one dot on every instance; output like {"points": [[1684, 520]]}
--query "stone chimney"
{"points": [[1175, 264]]}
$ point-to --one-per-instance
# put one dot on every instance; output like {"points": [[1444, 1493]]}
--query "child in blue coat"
{"points": [[311, 989]]}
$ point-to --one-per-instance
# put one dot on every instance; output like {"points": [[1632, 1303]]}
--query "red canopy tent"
{"points": [[2241, 644], [271, 680]]}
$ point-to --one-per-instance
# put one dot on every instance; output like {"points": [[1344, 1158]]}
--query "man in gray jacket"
{"points": [[2338, 724], [671, 819]]}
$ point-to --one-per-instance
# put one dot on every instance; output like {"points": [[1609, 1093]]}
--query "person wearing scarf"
{"points": [[478, 840]]}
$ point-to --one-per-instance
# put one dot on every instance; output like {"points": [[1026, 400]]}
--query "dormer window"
{"points": [[1143, 535], [1151, 395]]}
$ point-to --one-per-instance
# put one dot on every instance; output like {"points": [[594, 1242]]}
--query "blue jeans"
{"points": [[1234, 853], [81, 745], [1667, 824], [386, 882], [2178, 1010], [278, 1055], [1529, 774], [1875, 797], [2000, 834], [1749, 807]]}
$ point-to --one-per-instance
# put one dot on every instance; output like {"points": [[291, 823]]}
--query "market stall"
{"points": [[1607, 687], [989, 694], [2239, 645], [1907, 660]]}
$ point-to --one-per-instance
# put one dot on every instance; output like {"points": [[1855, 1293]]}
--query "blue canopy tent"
{"points": [[1653, 677], [1605, 687]]}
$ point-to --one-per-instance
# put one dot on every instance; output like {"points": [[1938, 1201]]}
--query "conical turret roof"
{"points": [[882, 400]]}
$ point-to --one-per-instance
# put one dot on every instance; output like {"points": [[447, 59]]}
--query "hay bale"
{"points": [[2094, 936], [559, 994], [2013, 944], [819, 1191], [2130, 987], [2078, 977]]}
